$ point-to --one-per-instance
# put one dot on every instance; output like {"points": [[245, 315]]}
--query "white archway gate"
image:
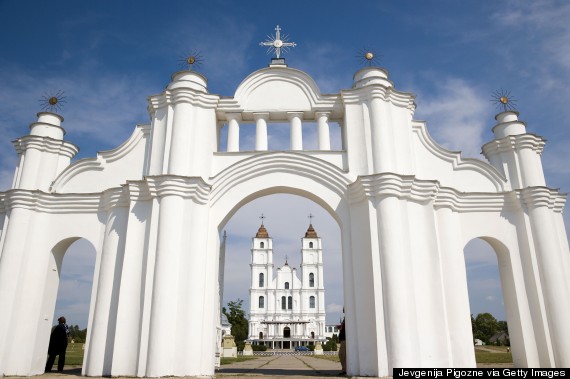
{"points": [[154, 208]]}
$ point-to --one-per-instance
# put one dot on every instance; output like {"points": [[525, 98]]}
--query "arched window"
{"points": [[286, 285], [261, 302], [262, 245], [261, 280], [313, 335], [311, 280], [310, 245], [260, 335], [283, 302], [312, 302], [290, 302]]}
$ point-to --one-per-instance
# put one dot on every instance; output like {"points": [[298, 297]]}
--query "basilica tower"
{"points": [[286, 311]]}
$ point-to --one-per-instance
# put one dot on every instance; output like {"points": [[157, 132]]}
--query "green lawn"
{"points": [[241, 358], [73, 355]]}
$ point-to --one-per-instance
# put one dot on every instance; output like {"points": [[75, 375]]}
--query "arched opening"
{"points": [[286, 218], [68, 291], [488, 279]]}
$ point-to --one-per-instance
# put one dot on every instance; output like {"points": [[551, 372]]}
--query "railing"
{"points": [[287, 352]]}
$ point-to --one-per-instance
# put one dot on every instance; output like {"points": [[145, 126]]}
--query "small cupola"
{"points": [[311, 232], [262, 232]]}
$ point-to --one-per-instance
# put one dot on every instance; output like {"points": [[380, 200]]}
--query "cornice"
{"points": [[542, 197], [114, 197], [194, 188], [408, 187], [182, 95], [368, 93], [51, 203], [516, 143], [45, 144], [389, 184]]}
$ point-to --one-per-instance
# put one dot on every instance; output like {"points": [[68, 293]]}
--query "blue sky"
{"points": [[109, 56]]}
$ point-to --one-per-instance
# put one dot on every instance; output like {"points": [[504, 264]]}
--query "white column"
{"points": [[233, 131], [99, 352], [296, 130], [261, 131], [323, 130], [553, 278], [164, 301]]}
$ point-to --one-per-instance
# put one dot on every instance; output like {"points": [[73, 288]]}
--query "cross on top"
{"points": [[310, 218], [276, 43], [262, 217]]}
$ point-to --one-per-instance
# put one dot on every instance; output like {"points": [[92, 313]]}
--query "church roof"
{"points": [[311, 232], [262, 232]]}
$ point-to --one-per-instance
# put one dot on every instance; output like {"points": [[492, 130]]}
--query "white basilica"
{"points": [[286, 311]]}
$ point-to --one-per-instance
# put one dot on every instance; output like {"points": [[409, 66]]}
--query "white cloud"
{"points": [[455, 112]]}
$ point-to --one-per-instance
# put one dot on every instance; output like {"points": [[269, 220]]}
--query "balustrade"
{"points": [[297, 127]]}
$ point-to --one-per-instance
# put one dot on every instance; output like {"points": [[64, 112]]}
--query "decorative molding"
{"points": [[182, 95], [316, 169], [103, 157], [457, 161], [537, 197], [45, 144], [194, 188], [388, 184], [516, 143], [52, 203], [368, 93]]}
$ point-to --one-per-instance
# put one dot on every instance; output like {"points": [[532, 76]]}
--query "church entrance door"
{"points": [[286, 334]]}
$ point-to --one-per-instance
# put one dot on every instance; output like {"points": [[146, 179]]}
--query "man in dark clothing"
{"points": [[342, 349], [57, 345]]}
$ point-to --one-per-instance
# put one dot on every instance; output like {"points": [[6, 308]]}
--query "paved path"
{"points": [[295, 366], [290, 366]]}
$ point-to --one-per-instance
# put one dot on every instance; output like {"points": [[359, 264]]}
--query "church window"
{"points": [[311, 280], [261, 302], [261, 280], [312, 302], [283, 302], [290, 302], [262, 245], [310, 245], [313, 335], [286, 285], [260, 335]]}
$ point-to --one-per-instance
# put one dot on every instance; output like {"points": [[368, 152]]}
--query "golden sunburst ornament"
{"points": [[504, 100], [191, 60], [368, 57], [52, 102]]}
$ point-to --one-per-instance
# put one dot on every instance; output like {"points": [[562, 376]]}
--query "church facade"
{"points": [[286, 311]]}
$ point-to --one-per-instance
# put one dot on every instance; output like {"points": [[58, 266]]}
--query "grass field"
{"points": [[73, 355]]}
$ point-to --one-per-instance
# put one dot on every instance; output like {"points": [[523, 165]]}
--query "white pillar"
{"points": [[233, 131], [164, 304], [179, 160], [323, 130], [261, 130], [296, 130], [100, 341], [551, 267]]}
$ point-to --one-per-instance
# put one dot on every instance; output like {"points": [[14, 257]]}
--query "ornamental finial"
{"points": [[276, 43]]}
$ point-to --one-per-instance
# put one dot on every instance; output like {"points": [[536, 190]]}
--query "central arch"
{"points": [[284, 173]]}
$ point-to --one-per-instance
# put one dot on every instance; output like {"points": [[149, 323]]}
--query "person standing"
{"points": [[342, 349], [57, 345]]}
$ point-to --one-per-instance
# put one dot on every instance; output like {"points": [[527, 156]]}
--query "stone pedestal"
{"points": [[229, 349], [318, 349], [247, 350]]}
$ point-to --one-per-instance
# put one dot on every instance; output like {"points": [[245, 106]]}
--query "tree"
{"points": [[484, 327], [236, 317]]}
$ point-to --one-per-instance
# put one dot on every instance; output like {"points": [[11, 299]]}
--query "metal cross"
{"points": [[311, 218], [262, 217], [276, 43]]}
